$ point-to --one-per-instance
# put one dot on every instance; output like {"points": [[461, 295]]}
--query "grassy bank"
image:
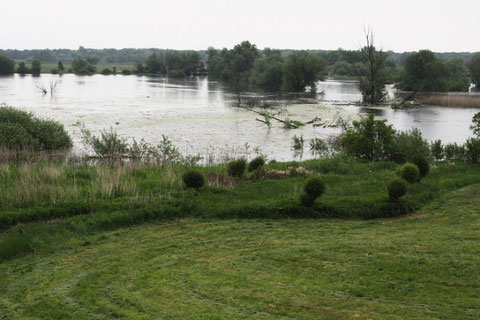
{"points": [[424, 266], [46, 202]]}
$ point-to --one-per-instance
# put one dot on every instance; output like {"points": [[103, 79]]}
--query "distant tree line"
{"points": [[269, 69], [104, 56]]}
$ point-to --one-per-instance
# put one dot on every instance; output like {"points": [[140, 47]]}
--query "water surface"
{"points": [[200, 116]]}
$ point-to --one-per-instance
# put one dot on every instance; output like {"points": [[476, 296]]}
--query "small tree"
{"points": [[22, 68], [372, 83], [368, 139], [84, 66], [303, 69], [240, 61], [60, 66], [36, 67], [7, 65]]}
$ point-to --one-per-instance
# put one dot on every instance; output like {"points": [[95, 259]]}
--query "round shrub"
{"points": [[236, 168], [422, 163], [22, 130], [193, 179], [313, 188], [410, 173], [397, 189], [256, 163]]}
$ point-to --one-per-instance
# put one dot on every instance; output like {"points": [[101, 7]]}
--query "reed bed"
{"points": [[36, 184], [462, 101]]}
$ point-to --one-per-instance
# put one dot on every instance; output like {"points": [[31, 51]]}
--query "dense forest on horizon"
{"points": [[132, 55]]}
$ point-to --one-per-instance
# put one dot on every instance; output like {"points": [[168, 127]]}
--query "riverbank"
{"points": [[46, 201]]}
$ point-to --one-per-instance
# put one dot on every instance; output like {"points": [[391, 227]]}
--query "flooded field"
{"points": [[200, 116]]}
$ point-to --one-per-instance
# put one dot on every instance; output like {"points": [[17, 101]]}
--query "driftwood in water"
{"points": [[288, 123], [405, 102]]}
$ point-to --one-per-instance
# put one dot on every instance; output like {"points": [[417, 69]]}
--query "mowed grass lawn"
{"points": [[423, 266]]}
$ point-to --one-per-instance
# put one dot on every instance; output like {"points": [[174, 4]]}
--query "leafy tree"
{"points": [[424, 72], [215, 62], [240, 61], [474, 68], [22, 68], [372, 83], [458, 75], [139, 68], [303, 69], [60, 66], [7, 65], [82, 66], [36, 67], [268, 71], [343, 68], [155, 64]]}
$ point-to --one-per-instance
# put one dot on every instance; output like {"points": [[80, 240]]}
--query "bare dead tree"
{"points": [[53, 87], [41, 87], [372, 84]]}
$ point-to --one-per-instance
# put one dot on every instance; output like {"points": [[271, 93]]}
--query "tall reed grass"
{"points": [[35, 184], [466, 101]]}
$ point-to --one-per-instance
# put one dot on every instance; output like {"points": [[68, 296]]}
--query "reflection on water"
{"points": [[198, 115]]}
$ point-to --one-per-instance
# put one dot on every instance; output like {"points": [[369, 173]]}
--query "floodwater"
{"points": [[200, 116]]}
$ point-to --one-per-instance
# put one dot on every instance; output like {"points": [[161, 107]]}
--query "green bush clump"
{"points": [[314, 188], [423, 166], [406, 145], [397, 189], [472, 150], [437, 150], [22, 130], [410, 173], [236, 168], [193, 179], [256, 164]]}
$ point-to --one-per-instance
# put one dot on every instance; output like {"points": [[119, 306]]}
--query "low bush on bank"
{"points": [[423, 165], [397, 189], [193, 179], [313, 188], [256, 164], [410, 173], [20, 130], [236, 168]]}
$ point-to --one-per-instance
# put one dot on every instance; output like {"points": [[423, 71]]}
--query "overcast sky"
{"points": [[401, 25]]}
